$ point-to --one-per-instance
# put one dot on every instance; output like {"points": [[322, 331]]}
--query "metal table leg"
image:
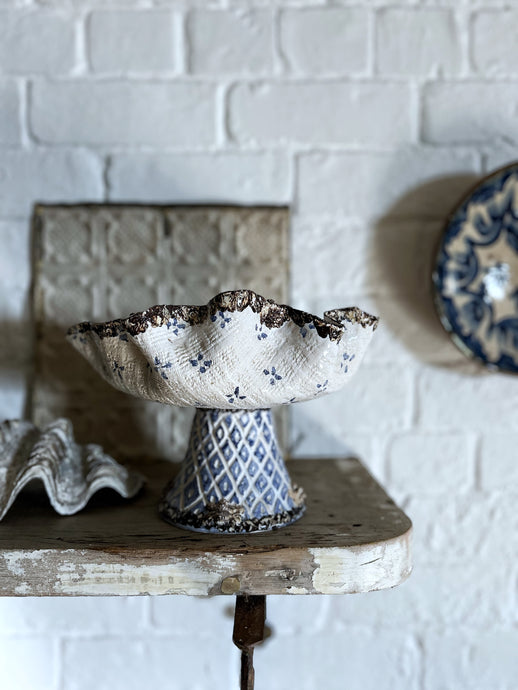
{"points": [[249, 619]]}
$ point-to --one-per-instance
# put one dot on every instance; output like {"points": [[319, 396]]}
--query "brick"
{"points": [[430, 463], [230, 42], [49, 176], [390, 257], [501, 155], [148, 662], [10, 129], [325, 41], [495, 57], [19, 615], [295, 615], [409, 328], [28, 664], [310, 438], [447, 529], [138, 41], [226, 177], [478, 660], [417, 41], [119, 112], [306, 662], [317, 250], [13, 386], [371, 184], [15, 277], [298, 3], [500, 542], [434, 597], [198, 616], [464, 398], [15, 256], [498, 467], [37, 42], [491, 106], [312, 113], [377, 399]]}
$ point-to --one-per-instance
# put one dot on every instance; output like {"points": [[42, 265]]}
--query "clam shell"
{"points": [[71, 473]]}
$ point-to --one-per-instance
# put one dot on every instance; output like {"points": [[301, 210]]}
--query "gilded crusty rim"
{"points": [[271, 314]]}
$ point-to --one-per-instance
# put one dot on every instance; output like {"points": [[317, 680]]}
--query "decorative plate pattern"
{"points": [[476, 274]]}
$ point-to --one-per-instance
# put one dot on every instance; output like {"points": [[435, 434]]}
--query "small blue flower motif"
{"points": [[260, 333], [234, 397], [159, 367], [322, 387], [305, 329], [175, 325], [272, 372], [123, 337], [224, 319], [203, 364], [118, 369]]}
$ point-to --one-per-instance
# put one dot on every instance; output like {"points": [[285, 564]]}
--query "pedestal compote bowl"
{"points": [[232, 359]]}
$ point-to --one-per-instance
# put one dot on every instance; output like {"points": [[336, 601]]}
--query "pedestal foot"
{"points": [[233, 478]]}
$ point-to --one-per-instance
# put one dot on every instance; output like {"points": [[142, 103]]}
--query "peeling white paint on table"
{"points": [[353, 538]]}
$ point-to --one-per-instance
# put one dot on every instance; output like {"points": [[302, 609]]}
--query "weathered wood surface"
{"points": [[353, 538]]}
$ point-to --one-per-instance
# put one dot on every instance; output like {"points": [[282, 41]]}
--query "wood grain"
{"points": [[353, 538]]}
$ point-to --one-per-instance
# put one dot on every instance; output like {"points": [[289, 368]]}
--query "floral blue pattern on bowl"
{"points": [[476, 274], [232, 359], [197, 356]]}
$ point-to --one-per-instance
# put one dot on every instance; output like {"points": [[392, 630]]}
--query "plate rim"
{"points": [[438, 299]]}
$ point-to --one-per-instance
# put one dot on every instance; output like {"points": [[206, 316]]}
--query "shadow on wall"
{"points": [[403, 254]]}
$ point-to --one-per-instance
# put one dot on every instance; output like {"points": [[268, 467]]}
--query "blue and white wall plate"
{"points": [[476, 274]]}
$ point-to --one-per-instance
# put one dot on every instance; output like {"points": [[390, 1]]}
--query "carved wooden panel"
{"points": [[98, 262]]}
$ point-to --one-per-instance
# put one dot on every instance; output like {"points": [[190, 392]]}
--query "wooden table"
{"points": [[353, 538]]}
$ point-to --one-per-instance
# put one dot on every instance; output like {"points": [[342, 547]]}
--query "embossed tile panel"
{"points": [[98, 262]]}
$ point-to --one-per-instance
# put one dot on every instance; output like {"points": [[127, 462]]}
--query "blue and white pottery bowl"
{"points": [[232, 359], [240, 351], [476, 274]]}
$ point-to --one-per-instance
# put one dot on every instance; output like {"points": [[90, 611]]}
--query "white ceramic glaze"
{"points": [[240, 351]]}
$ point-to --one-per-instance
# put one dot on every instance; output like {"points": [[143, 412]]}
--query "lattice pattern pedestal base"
{"points": [[233, 477]]}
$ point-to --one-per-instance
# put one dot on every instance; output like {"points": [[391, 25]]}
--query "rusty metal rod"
{"points": [[249, 619]]}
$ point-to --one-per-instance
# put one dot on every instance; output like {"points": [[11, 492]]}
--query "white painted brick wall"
{"points": [[423, 43], [33, 41], [230, 42], [118, 113], [325, 41], [230, 176], [371, 119], [10, 99], [263, 113], [121, 42], [495, 58]]}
